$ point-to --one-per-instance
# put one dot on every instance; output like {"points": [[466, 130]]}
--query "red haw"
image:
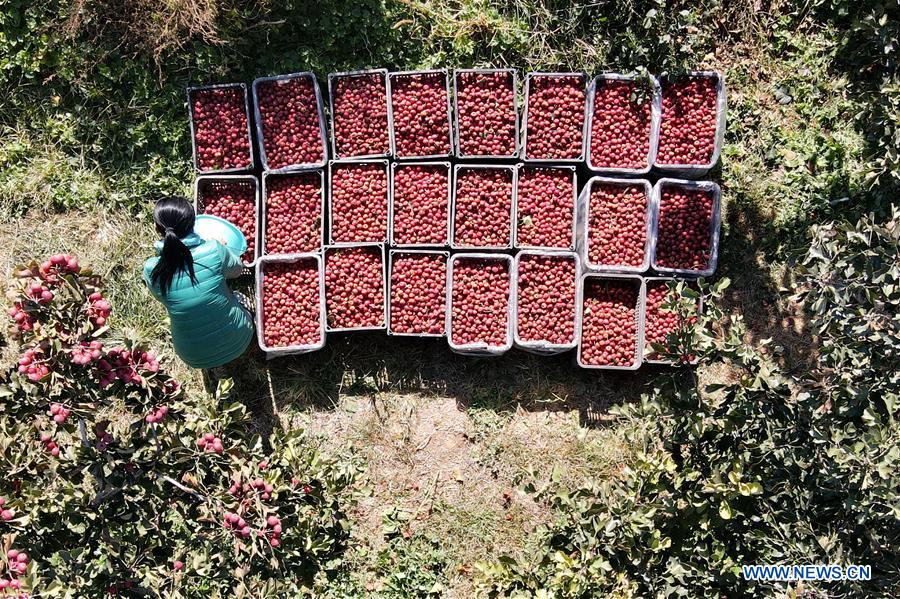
{"points": [[291, 310], [684, 231], [609, 323], [687, 133], [290, 122], [354, 288], [660, 322], [545, 207], [545, 306], [421, 204], [486, 113], [293, 214], [220, 129], [620, 126], [6, 514], [360, 115], [235, 201], [16, 567], [555, 117], [617, 225], [483, 207], [419, 105], [359, 202], [480, 302], [211, 443], [418, 293]]}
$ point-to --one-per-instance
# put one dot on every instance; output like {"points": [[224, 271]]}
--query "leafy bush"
{"points": [[117, 481], [756, 469]]}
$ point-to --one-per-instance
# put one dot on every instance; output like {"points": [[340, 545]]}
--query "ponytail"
{"points": [[174, 258], [174, 218]]}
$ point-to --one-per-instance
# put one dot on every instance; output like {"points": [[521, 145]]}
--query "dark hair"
{"points": [[174, 218]]}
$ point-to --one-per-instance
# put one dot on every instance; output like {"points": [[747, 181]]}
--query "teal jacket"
{"points": [[209, 326]]}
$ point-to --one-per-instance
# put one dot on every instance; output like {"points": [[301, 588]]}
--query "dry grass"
{"points": [[111, 243], [153, 27], [455, 472]]}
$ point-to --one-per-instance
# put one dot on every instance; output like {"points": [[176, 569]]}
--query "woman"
{"points": [[210, 327]]}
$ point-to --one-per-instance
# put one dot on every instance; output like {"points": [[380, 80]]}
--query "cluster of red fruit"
{"points": [[57, 266], [293, 213], [354, 287], [418, 293], [22, 319], [687, 133], [32, 364], [545, 207], [555, 117], [421, 116], [684, 224], [6, 514], [617, 224], [291, 312], [482, 210], [609, 329], [486, 113], [359, 115], [660, 322], [620, 126], [86, 352], [16, 566], [221, 141], [126, 366], [264, 489], [359, 202], [545, 302], [235, 201], [49, 444], [99, 310], [421, 204], [291, 129], [59, 413], [479, 309], [211, 443], [39, 294], [157, 415]]}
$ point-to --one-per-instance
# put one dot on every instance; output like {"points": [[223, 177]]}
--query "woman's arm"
{"points": [[232, 267]]}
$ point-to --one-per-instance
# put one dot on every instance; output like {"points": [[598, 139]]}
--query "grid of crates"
{"points": [[547, 213]]}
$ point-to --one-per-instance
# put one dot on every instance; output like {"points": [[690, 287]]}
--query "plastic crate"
{"points": [[638, 314], [655, 112], [480, 348], [252, 152], [267, 176], [512, 209], [260, 287], [400, 252], [383, 326], [573, 237], [392, 120], [544, 347], [204, 180], [524, 152], [515, 107], [584, 209], [698, 170], [260, 132], [714, 232], [392, 188], [331, 86]]}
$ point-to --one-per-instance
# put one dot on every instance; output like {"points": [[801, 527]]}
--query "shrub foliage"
{"points": [[757, 469], [116, 481]]}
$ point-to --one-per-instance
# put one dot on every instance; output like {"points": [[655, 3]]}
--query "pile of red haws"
{"points": [[448, 210]]}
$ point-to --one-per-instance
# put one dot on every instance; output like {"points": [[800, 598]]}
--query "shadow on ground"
{"points": [[372, 363]]}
